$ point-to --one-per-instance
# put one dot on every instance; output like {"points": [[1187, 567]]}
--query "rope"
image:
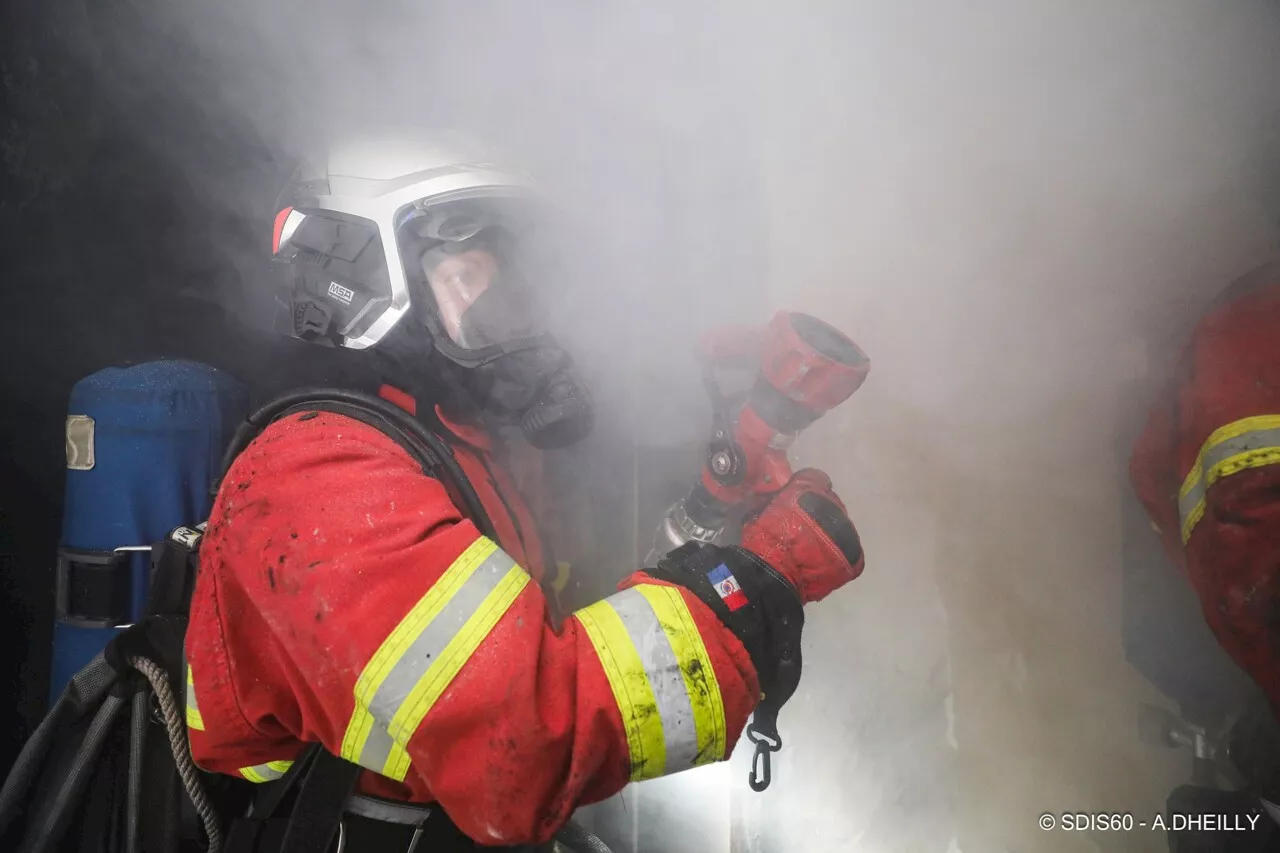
{"points": [[173, 724]]}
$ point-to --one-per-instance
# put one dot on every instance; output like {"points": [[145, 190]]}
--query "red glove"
{"points": [[804, 532]]}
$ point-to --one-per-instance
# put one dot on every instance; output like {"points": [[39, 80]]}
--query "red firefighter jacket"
{"points": [[1207, 468], [343, 599]]}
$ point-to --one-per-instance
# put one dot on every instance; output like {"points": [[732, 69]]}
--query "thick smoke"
{"points": [[1013, 206]]}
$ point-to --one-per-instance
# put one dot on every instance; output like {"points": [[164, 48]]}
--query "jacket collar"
{"points": [[468, 433], [464, 432]]}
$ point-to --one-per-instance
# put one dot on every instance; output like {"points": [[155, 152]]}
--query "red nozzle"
{"points": [[810, 362], [806, 367]]}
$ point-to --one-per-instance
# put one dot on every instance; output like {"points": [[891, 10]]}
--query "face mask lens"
{"points": [[483, 262], [457, 282], [480, 302]]}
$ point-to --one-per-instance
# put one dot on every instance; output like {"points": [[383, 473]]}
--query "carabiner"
{"points": [[761, 771]]}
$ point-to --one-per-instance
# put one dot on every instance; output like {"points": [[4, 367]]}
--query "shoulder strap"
{"points": [[423, 446], [174, 563], [321, 799]]}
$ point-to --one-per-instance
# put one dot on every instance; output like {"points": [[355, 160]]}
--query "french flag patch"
{"points": [[727, 587]]}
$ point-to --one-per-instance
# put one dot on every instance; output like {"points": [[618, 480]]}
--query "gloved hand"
{"points": [[804, 533]]}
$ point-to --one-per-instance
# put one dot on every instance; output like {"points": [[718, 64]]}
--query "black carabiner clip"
{"points": [[760, 762]]}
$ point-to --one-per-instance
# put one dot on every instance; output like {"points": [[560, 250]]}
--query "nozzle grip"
{"points": [[764, 464]]}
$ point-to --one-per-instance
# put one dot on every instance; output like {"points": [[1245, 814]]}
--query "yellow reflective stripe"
{"points": [[394, 646], [194, 719], [426, 650], [1235, 429], [432, 685], [1248, 443], [268, 772], [700, 680], [625, 672]]}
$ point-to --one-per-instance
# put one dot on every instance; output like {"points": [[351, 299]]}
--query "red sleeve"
{"points": [[1234, 564], [342, 599], [1227, 456]]}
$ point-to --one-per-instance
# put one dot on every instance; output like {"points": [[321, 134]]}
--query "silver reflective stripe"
{"points": [[424, 651], [388, 811], [195, 720], [1255, 440], [377, 748], [1190, 503], [679, 732], [268, 772]]}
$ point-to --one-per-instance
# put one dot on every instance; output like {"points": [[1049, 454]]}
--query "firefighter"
{"points": [[345, 600], [1207, 469]]}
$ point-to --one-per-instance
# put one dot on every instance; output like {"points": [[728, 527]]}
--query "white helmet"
{"points": [[352, 229], [386, 231]]}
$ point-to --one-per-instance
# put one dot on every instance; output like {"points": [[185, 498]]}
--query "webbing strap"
{"points": [[173, 574]]}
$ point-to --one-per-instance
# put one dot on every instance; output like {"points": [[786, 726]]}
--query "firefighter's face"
{"points": [[483, 303], [457, 281]]}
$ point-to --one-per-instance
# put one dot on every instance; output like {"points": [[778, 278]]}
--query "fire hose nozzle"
{"points": [[805, 367]]}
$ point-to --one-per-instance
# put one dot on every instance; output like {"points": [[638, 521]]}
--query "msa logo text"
{"points": [[340, 293]]}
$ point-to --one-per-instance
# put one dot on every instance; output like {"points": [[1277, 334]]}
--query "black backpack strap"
{"points": [[423, 446], [301, 811], [321, 798], [174, 563]]}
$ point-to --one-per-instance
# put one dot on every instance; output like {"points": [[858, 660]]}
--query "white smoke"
{"points": [[1012, 206]]}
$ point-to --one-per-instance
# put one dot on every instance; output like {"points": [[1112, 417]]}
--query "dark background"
{"points": [[109, 257]]}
